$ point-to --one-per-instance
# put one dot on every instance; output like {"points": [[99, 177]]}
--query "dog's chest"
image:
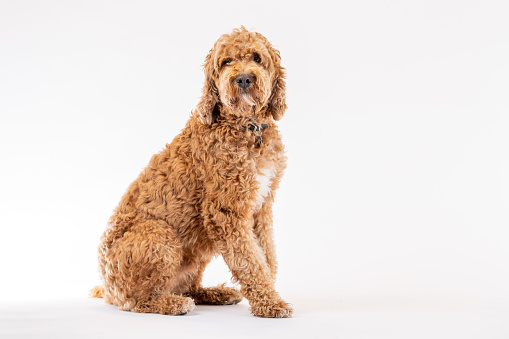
{"points": [[263, 178]]}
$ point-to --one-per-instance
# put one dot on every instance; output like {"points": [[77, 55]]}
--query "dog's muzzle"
{"points": [[244, 80]]}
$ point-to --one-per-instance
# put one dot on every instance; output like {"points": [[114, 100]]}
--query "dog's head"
{"points": [[243, 73]]}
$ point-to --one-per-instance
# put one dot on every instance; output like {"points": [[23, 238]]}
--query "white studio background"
{"points": [[397, 185]]}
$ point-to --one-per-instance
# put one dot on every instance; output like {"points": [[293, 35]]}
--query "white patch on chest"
{"points": [[264, 179]]}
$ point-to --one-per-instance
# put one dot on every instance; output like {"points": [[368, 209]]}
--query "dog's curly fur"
{"points": [[209, 192]]}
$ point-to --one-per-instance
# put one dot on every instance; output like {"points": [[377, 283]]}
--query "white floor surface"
{"points": [[319, 318]]}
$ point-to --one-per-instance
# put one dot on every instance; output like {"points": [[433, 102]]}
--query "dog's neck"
{"points": [[221, 113], [255, 122]]}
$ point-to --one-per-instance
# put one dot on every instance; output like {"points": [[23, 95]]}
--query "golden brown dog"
{"points": [[209, 192]]}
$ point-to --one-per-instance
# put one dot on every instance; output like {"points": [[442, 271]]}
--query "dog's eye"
{"points": [[257, 58], [226, 62]]}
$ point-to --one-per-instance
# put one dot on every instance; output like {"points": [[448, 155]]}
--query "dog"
{"points": [[209, 192]]}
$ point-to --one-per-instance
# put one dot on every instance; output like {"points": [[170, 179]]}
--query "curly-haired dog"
{"points": [[209, 192]]}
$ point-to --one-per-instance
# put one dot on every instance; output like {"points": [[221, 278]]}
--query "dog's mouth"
{"points": [[248, 99]]}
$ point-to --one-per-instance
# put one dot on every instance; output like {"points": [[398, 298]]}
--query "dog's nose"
{"points": [[244, 80]]}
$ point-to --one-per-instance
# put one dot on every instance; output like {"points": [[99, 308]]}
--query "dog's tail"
{"points": [[96, 292]]}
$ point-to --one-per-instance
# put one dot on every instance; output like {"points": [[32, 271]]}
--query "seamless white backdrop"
{"points": [[397, 184]]}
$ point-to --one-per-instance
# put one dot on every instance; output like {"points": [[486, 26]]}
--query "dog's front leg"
{"points": [[229, 226], [263, 231]]}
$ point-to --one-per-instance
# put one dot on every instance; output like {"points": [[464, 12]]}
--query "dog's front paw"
{"points": [[272, 308]]}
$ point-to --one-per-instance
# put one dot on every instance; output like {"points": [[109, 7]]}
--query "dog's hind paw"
{"points": [[219, 295], [164, 304]]}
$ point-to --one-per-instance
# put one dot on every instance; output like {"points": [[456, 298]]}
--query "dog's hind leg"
{"points": [[165, 304], [217, 295], [142, 268]]}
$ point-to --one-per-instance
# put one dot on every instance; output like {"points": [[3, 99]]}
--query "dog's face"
{"points": [[243, 73]]}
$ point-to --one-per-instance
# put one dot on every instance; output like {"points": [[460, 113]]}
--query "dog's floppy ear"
{"points": [[277, 101], [210, 96]]}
